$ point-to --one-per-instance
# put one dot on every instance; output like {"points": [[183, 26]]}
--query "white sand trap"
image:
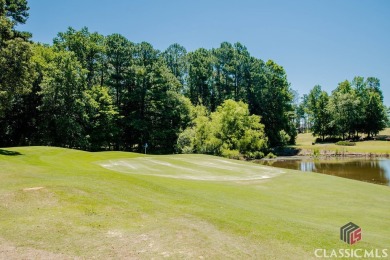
{"points": [[192, 167]]}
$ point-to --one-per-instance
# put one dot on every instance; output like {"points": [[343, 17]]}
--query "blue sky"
{"points": [[317, 42]]}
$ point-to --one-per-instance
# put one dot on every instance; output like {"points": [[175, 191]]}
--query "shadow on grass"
{"points": [[286, 151], [382, 138], [9, 153]]}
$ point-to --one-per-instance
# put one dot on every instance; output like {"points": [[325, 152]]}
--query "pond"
{"points": [[369, 170]]}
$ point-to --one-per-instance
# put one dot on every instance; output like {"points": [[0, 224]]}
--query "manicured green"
{"points": [[79, 208]]}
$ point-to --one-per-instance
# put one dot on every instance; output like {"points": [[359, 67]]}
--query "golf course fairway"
{"points": [[58, 203]]}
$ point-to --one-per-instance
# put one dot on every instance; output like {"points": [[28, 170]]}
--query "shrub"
{"points": [[231, 154], [258, 155], [270, 156], [346, 143], [185, 141], [284, 138], [231, 127], [254, 155]]}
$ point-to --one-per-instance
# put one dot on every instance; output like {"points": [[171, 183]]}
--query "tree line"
{"points": [[95, 92], [354, 108]]}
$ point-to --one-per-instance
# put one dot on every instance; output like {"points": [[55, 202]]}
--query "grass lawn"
{"points": [[304, 142], [60, 203]]}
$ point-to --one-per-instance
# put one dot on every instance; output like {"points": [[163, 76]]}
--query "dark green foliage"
{"points": [[275, 106], [17, 72], [12, 13], [19, 125], [232, 65], [388, 117], [374, 114], [101, 118], [155, 111], [16, 75], [63, 102], [15, 53], [119, 54], [94, 92], [318, 101], [88, 48], [200, 79], [175, 57], [354, 107], [16, 10], [229, 72]]}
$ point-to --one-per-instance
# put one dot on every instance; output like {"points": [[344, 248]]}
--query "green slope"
{"points": [[61, 203]]}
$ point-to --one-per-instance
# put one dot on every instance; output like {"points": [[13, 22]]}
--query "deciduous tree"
{"points": [[63, 102], [88, 48]]}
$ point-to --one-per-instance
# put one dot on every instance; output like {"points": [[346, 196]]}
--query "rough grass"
{"points": [[304, 142], [59, 203]]}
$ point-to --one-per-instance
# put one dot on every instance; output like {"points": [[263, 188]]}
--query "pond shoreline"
{"points": [[323, 153], [368, 169], [320, 157], [342, 154]]}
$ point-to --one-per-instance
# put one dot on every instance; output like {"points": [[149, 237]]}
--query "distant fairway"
{"points": [[379, 147], [63, 204]]}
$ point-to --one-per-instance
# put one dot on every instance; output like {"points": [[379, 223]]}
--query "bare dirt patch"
{"points": [[11, 251], [190, 238], [33, 188], [39, 197]]}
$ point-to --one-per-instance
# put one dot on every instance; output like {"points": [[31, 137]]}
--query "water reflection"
{"points": [[369, 170]]}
